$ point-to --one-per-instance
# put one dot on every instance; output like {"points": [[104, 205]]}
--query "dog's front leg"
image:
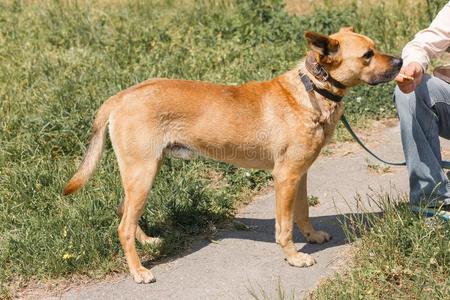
{"points": [[301, 215], [286, 184]]}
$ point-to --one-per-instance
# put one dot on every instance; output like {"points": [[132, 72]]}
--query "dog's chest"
{"points": [[325, 122], [329, 124]]}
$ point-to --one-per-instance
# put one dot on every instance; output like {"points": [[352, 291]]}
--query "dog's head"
{"points": [[352, 58]]}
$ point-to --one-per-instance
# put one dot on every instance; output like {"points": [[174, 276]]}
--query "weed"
{"points": [[377, 168], [262, 294], [313, 200]]}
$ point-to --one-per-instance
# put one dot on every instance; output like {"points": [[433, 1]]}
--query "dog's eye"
{"points": [[368, 54]]}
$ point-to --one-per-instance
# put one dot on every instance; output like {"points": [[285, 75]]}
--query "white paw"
{"points": [[301, 260], [318, 237], [152, 241], [143, 275]]}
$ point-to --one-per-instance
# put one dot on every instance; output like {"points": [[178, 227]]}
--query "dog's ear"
{"points": [[347, 29], [322, 44]]}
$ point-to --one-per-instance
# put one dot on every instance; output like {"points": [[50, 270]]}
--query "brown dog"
{"points": [[277, 125]]}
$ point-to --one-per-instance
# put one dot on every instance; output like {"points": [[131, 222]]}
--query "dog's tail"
{"points": [[94, 151]]}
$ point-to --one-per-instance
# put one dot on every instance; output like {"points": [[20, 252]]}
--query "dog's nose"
{"points": [[397, 63]]}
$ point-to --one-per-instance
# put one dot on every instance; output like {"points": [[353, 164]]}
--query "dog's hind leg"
{"points": [[301, 215], [141, 236], [137, 177]]}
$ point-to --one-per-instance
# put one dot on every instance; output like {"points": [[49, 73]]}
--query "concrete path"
{"points": [[242, 261]]}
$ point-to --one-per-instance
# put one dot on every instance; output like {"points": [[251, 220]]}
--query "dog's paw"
{"points": [[318, 237], [301, 260], [143, 275], [151, 241]]}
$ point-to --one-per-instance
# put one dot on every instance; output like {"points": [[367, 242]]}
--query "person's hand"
{"points": [[409, 77]]}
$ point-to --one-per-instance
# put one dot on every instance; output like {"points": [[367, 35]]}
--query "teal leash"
{"points": [[445, 164]]}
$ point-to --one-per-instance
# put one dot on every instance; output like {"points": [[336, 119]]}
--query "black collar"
{"points": [[320, 73], [310, 86]]}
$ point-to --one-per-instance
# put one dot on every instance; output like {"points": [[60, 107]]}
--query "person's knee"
{"points": [[421, 99], [398, 94], [431, 90], [404, 102]]}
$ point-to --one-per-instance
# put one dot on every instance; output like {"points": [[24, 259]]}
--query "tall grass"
{"points": [[59, 60]]}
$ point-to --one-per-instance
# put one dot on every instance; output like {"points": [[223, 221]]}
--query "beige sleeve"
{"points": [[429, 42]]}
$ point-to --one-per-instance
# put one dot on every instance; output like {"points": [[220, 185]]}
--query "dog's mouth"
{"points": [[383, 78], [396, 65]]}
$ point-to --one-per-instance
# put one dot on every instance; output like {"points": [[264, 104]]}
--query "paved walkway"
{"points": [[249, 260]]}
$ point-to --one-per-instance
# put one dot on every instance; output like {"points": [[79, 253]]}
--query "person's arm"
{"points": [[426, 45]]}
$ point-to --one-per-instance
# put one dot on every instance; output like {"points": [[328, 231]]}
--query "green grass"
{"points": [[60, 60], [313, 200], [398, 255]]}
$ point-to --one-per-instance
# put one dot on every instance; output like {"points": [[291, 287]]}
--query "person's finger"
{"points": [[407, 87], [409, 72], [399, 79], [404, 83]]}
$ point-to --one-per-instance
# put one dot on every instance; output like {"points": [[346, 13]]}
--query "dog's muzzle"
{"points": [[389, 75]]}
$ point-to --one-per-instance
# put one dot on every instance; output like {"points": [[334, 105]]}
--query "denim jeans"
{"points": [[424, 116]]}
